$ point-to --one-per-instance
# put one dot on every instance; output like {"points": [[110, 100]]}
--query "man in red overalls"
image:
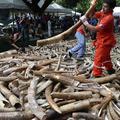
{"points": [[105, 39]]}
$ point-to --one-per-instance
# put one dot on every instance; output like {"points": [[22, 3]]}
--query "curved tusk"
{"points": [[117, 110], [59, 37], [108, 114], [50, 100], [113, 113]]}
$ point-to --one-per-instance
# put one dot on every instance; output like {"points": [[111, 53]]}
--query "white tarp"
{"points": [[116, 11], [41, 3], [12, 4], [56, 8]]}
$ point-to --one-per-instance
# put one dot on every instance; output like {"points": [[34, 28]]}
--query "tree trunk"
{"points": [[33, 5]]}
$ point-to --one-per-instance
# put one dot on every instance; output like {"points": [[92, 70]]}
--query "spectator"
{"points": [[49, 28], [78, 50], [25, 29], [39, 32]]}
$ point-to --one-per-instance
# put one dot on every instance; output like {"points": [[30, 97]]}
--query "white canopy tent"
{"points": [[1, 24], [75, 13], [56, 8], [12, 4], [41, 3], [116, 11]]}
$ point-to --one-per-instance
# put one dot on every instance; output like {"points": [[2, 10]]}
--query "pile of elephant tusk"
{"points": [[46, 84]]}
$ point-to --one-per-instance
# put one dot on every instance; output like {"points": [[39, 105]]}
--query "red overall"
{"points": [[105, 40]]}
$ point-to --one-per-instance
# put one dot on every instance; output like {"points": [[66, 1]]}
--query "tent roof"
{"points": [[15, 4], [77, 13], [116, 11], [54, 7]]}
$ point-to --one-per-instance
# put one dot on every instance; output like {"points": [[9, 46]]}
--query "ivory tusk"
{"points": [[12, 98], [36, 110], [73, 95], [50, 101], [114, 115]]}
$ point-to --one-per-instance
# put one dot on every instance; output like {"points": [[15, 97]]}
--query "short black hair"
{"points": [[111, 3]]}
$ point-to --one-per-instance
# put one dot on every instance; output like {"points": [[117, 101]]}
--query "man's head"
{"points": [[108, 5]]}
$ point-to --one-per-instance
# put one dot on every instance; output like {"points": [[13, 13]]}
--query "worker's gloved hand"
{"points": [[93, 2], [83, 18], [86, 23]]}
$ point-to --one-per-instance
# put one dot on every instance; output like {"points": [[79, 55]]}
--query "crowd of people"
{"points": [[39, 25], [29, 27]]}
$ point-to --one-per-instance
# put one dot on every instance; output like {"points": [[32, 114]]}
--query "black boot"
{"points": [[70, 54], [111, 71]]}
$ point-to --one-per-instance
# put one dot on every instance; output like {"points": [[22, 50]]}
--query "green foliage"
{"points": [[67, 3], [118, 2], [81, 5]]}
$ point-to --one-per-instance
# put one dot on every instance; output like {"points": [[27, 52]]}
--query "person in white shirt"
{"points": [[49, 28]]}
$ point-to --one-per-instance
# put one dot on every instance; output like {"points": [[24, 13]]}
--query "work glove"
{"points": [[86, 23], [83, 18], [93, 2]]}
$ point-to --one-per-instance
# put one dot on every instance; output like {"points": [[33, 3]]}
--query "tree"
{"points": [[33, 5], [118, 2], [81, 5], [67, 3]]}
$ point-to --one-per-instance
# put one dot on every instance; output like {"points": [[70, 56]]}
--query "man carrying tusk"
{"points": [[105, 39]]}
